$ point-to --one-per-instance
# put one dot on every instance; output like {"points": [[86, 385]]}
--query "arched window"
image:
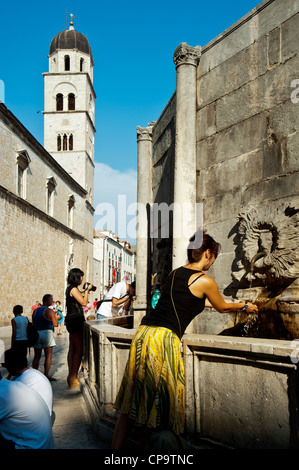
{"points": [[66, 62], [71, 102], [23, 161], [71, 142], [65, 142], [51, 185], [81, 64], [70, 215], [59, 143], [59, 102]]}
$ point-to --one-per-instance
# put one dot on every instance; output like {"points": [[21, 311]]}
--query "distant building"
{"points": [[114, 261], [46, 193]]}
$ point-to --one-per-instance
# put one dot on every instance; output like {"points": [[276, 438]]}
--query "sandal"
{"points": [[73, 382]]}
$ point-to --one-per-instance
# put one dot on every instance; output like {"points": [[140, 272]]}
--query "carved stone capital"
{"points": [[144, 133], [187, 55]]}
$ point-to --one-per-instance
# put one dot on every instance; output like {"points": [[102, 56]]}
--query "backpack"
{"points": [[32, 334]]}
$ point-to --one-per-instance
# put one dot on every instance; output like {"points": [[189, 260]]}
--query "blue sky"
{"points": [[134, 76]]}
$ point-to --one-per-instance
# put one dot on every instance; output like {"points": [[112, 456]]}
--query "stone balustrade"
{"points": [[240, 392]]}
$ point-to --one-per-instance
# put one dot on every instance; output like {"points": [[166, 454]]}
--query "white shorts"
{"points": [[45, 339]]}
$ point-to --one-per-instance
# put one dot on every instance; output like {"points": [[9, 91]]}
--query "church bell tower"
{"points": [[69, 106]]}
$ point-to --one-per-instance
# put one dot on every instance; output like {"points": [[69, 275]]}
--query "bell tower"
{"points": [[69, 106]]}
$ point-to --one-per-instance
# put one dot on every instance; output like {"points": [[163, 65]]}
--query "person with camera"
{"points": [[74, 322], [117, 301]]}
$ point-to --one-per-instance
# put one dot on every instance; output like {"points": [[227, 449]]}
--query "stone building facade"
{"points": [[111, 256], [46, 203], [227, 143]]}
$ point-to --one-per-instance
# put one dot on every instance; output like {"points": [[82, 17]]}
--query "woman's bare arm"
{"points": [[207, 286], [82, 298]]}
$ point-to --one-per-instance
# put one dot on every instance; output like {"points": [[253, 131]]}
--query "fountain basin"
{"points": [[240, 392]]}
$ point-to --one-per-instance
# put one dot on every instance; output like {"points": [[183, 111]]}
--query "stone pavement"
{"points": [[71, 429]]}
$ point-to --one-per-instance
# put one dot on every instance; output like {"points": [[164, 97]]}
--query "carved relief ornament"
{"points": [[273, 231]]}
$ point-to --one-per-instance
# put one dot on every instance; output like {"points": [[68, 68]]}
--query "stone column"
{"points": [[186, 59], [144, 199]]}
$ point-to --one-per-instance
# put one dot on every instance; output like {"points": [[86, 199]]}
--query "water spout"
{"points": [[259, 255]]}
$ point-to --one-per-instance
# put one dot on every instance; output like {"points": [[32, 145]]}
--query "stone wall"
{"points": [[246, 137], [246, 122], [163, 172], [37, 248], [247, 125]]}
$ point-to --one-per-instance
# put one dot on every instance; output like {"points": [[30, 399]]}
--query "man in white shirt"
{"points": [[117, 301], [17, 366], [25, 421]]}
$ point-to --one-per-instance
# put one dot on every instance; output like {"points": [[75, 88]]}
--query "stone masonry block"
{"points": [[289, 33], [292, 163], [267, 91], [206, 121], [268, 190], [236, 172], [229, 76], [274, 47], [243, 137]]}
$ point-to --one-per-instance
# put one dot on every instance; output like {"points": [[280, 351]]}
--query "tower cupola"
{"points": [[69, 112]]}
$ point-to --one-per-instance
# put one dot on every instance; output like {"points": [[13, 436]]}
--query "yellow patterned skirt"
{"points": [[153, 385]]}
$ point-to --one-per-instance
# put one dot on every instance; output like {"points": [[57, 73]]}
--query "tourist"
{"points": [[34, 307], [117, 301], [95, 303], [58, 310], [19, 323], [74, 322], [25, 421], [45, 319], [152, 390], [18, 369]]}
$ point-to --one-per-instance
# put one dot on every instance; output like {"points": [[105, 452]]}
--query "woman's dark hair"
{"points": [[208, 243], [74, 277]]}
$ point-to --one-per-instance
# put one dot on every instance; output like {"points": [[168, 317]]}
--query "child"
{"points": [[19, 325]]}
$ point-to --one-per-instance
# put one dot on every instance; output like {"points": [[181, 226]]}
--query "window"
{"points": [[59, 102], [70, 211], [71, 102], [81, 65], [51, 185], [65, 142], [67, 62], [23, 161]]}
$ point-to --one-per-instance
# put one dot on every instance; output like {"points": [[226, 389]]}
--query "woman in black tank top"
{"points": [[186, 293], [74, 321]]}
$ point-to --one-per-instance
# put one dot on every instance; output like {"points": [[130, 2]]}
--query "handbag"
{"points": [[32, 334]]}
